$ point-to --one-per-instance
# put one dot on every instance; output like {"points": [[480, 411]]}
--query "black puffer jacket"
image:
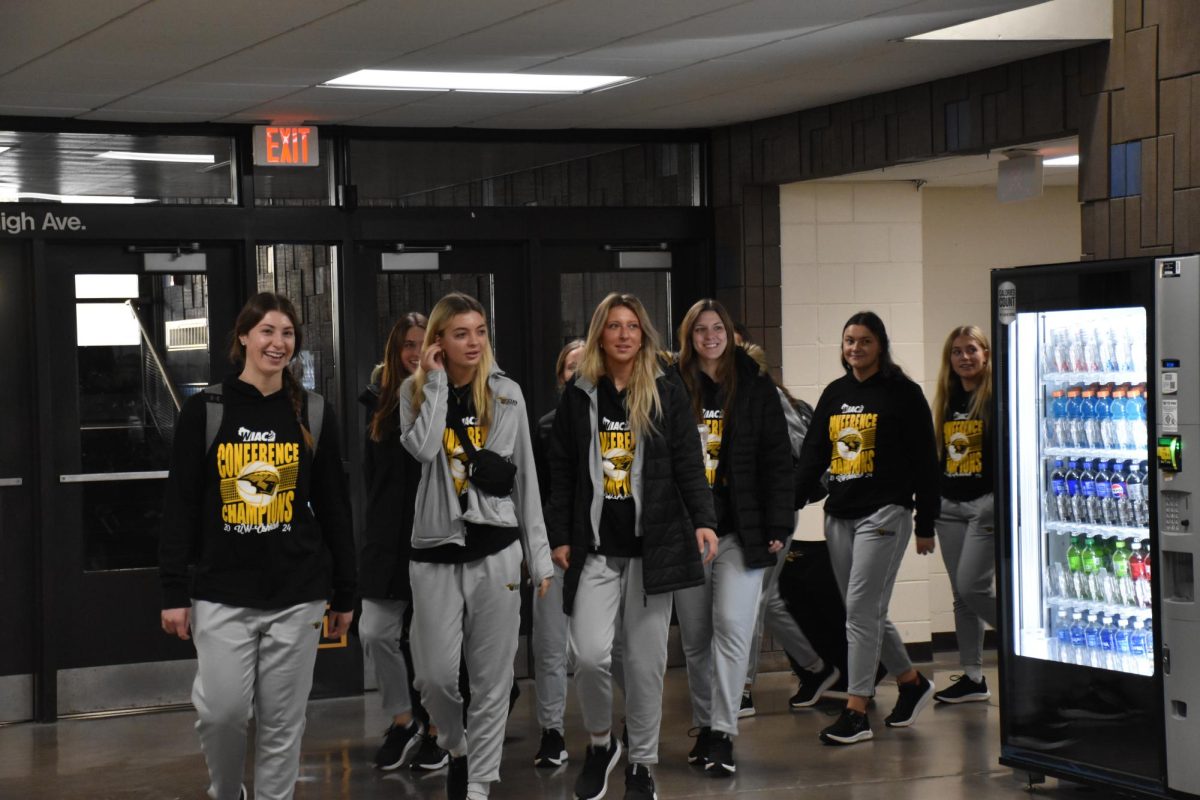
{"points": [[756, 462], [390, 476], [675, 498]]}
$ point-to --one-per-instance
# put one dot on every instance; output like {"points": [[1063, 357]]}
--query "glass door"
{"points": [[134, 334], [17, 469]]}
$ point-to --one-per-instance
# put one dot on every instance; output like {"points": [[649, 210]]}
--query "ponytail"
{"points": [[296, 394]]}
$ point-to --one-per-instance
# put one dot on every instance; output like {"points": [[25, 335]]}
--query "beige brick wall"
{"points": [[921, 260]]}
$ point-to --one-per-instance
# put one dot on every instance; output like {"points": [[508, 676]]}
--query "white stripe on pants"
{"points": [[774, 617], [470, 611], [381, 628], [866, 555], [550, 654], [260, 659], [965, 532], [716, 626], [611, 593]]}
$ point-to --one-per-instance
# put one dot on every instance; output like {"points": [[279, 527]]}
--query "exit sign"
{"points": [[286, 146]]}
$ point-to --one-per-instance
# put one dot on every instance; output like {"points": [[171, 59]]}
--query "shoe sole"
{"points": [[403, 759], [917, 709], [720, 770], [966, 698], [432, 767], [821, 690], [612, 762], [700, 761], [861, 736], [549, 762], [746, 712]]}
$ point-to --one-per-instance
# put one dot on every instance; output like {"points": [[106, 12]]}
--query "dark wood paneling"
{"points": [[1166, 193], [1133, 224], [1174, 120], [754, 306], [720, 180], [752, 266], [1087, 230], [1140, 113], [1187, 220], [1178, 21], [1133, 14], [1147, 234], [1103, 240], [1114, 65], [1116, 228], [1093, 148], [1042, 96]]}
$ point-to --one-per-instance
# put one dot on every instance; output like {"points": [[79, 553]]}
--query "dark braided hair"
{"points": [[251, 314]]}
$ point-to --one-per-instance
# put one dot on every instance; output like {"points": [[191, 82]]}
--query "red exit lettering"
{"points": [[287, 145]]}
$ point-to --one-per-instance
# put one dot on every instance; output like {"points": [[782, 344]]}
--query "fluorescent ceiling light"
{"points": [[1062, 161], [182, 158], [515, 82], [4, 148], [98, 199], [1052, 20]]}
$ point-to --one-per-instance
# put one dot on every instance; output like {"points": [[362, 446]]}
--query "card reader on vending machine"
{"points": [[1170, 453]]}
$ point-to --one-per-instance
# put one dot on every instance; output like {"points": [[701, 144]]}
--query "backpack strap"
{"points": [[314, 411], [214, 411]]}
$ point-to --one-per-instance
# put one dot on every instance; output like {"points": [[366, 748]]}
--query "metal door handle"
{"points": [[11, 482], [99, 477]]}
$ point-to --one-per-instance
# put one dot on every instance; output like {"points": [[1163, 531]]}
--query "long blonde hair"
{"points": [[440, 317], [642, 400], [981, 398]]}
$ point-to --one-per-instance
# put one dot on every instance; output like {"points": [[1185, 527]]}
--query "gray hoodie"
{"points": [[438, 517]]}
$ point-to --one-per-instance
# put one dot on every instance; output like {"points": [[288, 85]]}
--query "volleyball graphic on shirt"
{"points": [[963, 440], [853, 440]]}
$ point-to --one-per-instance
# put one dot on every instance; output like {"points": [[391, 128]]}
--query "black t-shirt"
{"points": [[966, 457], [482, 540], [712, 410], [618, 518]]}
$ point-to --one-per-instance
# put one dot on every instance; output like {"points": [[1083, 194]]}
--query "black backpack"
{"points": [[214, 411]]}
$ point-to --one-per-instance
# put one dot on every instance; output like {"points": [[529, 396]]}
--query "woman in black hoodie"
{"points": [[872, 431], [258, 502], [748, 464]]}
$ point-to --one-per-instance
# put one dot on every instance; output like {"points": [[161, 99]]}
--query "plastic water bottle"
{"points": [[1108, 435], [1075, 433], [1135, 484], [1120, 496], [1120, 571], [1091, 425], [1060, 507], [1075, 492], [1090, 561], [1091, 351], [1075, 567], [1078, 638], [1136, 420], [1108, 512], [1091, 633], [1137, 640], [1145, 595], [1061, 353], [1116, 411], [1122, 637], [1108, 634], [1091, 503], [1075, 350]]}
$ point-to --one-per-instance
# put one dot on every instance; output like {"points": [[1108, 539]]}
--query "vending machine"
{"points": [[1097, 396]]}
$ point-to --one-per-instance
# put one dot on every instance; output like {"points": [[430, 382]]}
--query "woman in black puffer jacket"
{"points": [[629, 516], [748, 464]]}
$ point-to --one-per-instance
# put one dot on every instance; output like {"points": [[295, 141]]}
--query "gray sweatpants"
{"points": [[550, 655], [611, 595], [866, 555], [381, 628], [470, 611], [774, 617], [965, 532], [716, 626], [251, 659]]}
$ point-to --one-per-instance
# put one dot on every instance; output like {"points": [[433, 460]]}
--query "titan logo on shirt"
{"points": [[616, 454], [258, 482], [853, 440], [457, 455], [714, 420], [964, 447]]}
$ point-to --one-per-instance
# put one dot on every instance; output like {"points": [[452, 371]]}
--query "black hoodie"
{"points": [[266, 524], [876, 439]]}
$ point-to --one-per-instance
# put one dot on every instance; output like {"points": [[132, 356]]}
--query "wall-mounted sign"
{"points": [[14, 224], [286, 146]]}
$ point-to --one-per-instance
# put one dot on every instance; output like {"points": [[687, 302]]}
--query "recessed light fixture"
{"points": [[181, 158], [1062, 161], [503, 82], [97, 199]]}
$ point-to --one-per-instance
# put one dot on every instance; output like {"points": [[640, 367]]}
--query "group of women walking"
{"points": [[661, 482]]}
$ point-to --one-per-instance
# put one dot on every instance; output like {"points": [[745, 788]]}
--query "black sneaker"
{"points": [[813, 685], [913, 698], [456, 779], [964, 690], [720, 755], [747, 707], [699, 753], [429, 755], [851, 727], [592, 782], [398, 744], [553, 750], [639, 784]]}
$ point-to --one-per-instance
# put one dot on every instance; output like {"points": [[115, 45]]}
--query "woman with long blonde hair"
{"points": [[748, 465], [631, 521], [962, 417], [473, 517]]}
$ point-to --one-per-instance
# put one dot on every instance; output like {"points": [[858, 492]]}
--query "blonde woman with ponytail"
{"points": [[467, 542], [962, 417], [259, 503], [631, 520]]}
